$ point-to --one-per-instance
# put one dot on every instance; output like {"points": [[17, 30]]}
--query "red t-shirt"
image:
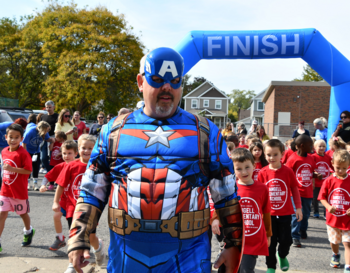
{"points": [[56, 156], [254, 203], [323, 166], [70, 179], [348, 171], [15, 184], [279, 183], [303, 168], [337, 193], [330, 153], [243, 146], [81, 126], [286, 155], [52, 176], [257, 169]]}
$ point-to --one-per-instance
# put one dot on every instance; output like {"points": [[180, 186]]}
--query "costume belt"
{"points": [[184, 226]]}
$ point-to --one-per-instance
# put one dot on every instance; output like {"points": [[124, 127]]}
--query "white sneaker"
{"points": [[99, 255], [36, 188], [70, 269], [44, 171], [29, 186]]}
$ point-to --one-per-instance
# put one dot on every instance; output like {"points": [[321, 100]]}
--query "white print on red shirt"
{"points": [[278, 193], [56, 154], [255, 174], [7, 176], [304, 175], [251, 216], [322, 168], [340, 199], [76, 186]]}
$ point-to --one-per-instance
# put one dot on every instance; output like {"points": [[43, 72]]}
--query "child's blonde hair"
{"points": [[347, 144], [319, 141], [42, 128], [341, 156], [231, 146], [338, 142], [313, 139], [288, 142], [86, 137]]}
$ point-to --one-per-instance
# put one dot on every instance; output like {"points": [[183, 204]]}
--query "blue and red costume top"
{"points": [[152, 172]]}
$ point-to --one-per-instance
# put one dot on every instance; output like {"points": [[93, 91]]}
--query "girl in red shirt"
{"points": [[335, 143], [334, 195], [242, 143], [257, 150], [323, 167]]}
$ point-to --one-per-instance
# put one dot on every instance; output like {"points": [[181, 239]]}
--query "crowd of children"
{"points": [[18, 164], [277, 187]]}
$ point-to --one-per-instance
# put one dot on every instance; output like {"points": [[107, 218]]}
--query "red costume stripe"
{"points": [[122, 196], [183, 201]]}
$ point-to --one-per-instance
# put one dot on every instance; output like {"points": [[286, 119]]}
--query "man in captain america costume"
{"points": [[152, 168]]}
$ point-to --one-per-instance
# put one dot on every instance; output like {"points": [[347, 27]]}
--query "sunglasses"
{"points": [[343, 117], [101, 117], [67, 116]]}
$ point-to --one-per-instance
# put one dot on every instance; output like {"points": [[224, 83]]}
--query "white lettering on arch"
{"points": [[269, 44], [211, 46], [294, 43], [238, 43]]}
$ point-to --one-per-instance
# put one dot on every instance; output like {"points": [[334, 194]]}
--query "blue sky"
{"points": [[165, 23]]}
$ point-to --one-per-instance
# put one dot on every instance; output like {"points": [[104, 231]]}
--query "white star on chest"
{"points": [[158, 136]]}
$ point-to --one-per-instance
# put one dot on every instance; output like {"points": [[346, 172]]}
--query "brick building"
{"points": [[286, 103]]}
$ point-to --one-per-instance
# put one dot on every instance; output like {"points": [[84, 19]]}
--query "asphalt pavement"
{"points": [[314, 256]]}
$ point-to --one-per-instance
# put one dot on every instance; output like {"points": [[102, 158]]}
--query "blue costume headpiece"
{"points": [[165, 63]]}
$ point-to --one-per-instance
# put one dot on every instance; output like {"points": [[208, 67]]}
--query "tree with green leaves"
{"points": [[309, 75], [241, 100]]}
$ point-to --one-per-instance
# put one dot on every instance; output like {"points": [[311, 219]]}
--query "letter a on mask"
{"points": [[168, 66]]}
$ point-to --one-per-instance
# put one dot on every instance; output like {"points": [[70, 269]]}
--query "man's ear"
{"points": [[140, 80]]}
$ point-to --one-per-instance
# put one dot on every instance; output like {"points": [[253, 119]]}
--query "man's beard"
{"points": [[164, 111]]}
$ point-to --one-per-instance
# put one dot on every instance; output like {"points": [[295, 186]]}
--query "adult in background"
{"points": [[343, 130], [301, 130], [253, 128], [241, 129], [96, 127], [124, 111], [228, 129], [79, 124], [260, 131], [155, 146], [33, 136], [109, 117], [51, 118], [65, 124], [321, 131]]}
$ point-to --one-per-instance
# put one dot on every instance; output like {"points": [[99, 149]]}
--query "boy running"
{"points": [[334, 195], [69, 181], [281, 182], [17, 166], [69, 150]]}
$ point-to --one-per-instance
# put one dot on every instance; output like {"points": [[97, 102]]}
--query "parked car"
{"points": [[4, 116], [17, 112], [37, 112]]}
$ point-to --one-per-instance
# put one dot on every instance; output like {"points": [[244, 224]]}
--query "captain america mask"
{"points": [[164, 63]]}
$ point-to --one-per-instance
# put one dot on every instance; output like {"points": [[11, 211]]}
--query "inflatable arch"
{"points": [[308, 44]]}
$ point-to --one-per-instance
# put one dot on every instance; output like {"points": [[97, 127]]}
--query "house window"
{"points": [[261, 106], [217, 104], [217, 122], [206, 103], [194, 104]]}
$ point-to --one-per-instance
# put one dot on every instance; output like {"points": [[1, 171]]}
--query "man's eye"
{"points": [[175, 81], [157, 80]]}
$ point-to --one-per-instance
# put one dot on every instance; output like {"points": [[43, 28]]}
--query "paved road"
{"points": [[314, 256]]}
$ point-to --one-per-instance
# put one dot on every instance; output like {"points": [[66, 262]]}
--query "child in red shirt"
{"points": [[257, 150], [69, 151], [69, 181], [335, 143], [290, 150], [303, 166], [256, 208], [56, 155], [281, 184], [334, 195], [17, 166], [242, 143], [323, 167]]}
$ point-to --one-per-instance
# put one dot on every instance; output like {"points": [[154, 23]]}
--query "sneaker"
{"points": [[36, 188], [70, 269], [316, 215], [57, 244], [335, 262], [271, 270], [100, 255], [283, 262], [29, 186], [27, 239], [50, 188], [41, 170], [296, 243], [303, 234], [44, 171]]}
